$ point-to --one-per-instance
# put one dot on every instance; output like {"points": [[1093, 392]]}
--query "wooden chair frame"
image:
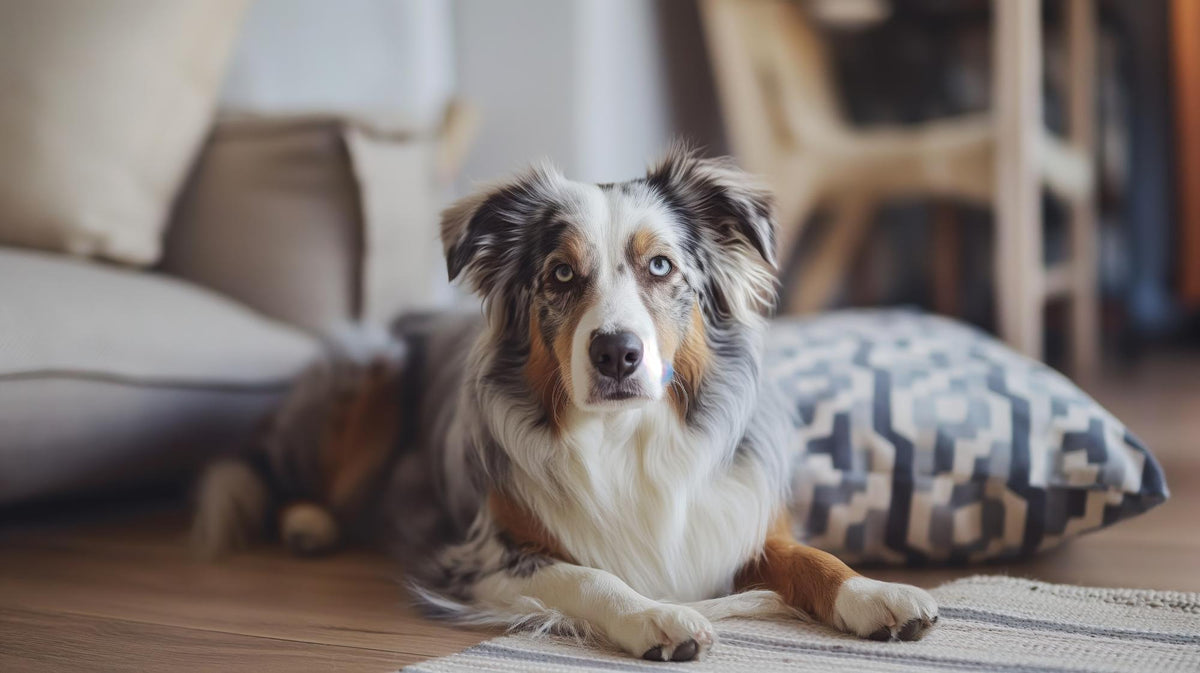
{"points": [[784, 123]]}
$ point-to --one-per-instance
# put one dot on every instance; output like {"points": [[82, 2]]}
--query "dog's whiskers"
{"points": [[678, 385]]}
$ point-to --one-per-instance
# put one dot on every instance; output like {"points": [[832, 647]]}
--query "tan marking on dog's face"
{"points": [[806, 578], [562, 342], [554, 317], [523, 528], [644, 244], [545, 374], [573, 250], [678, 320], [691, 360]]}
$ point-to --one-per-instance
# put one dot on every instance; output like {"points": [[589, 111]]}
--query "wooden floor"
{"points": [[119, 592]]}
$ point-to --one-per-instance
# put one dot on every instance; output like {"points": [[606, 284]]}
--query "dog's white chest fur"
{"points": [[647, 501]]}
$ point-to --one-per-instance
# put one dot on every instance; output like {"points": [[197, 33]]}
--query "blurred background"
{"points": [[192, 192], [599, 88]]}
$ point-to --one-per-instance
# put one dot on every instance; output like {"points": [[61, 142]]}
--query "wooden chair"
{"points": [[784, 122]]}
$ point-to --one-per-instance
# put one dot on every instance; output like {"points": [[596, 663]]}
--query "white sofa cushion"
{"points": [[80, 318], [113, 378]]}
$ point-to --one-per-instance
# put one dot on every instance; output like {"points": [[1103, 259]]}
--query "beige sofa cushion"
{"points": [[110, 377], [69, 317], [314, 220], [103, 105]]}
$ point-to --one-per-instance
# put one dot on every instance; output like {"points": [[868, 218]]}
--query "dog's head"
{"points": [[616, 294]]}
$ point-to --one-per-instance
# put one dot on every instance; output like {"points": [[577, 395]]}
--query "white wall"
{"points": [[596, 86], [622, 110], [385, 58], [517, 62]]}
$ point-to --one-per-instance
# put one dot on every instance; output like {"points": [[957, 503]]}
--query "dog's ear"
{"points": [[719, 196], [732, 219], [481, 234]]}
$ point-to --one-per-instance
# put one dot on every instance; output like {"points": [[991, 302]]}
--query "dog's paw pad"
{"points": [[654, 654], [665, 633], [688, 650], [883, 634], [913, 629]]}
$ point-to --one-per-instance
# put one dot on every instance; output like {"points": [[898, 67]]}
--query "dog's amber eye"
{"points": [[660, 266], [563, 273]]}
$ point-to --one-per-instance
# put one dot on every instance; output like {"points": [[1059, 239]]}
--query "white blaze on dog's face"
{"points": [[611, 289]]}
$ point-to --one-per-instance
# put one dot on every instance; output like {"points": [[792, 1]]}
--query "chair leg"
{"points": [[819, 278], [1020, 271], [1085, 301], [796, 197]]}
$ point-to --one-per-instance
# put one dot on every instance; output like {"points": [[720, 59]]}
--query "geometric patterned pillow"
{"points": [[923, 440]]}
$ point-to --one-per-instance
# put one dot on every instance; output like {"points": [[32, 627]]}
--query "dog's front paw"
{"points": [[664, 632], [883, 610]]}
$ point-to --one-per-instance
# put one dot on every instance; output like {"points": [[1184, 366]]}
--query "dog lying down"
{"points": [[593, 453]]}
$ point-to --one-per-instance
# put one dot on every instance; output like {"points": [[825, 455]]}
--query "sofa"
{"points": [[113, 376], [166, 269]]}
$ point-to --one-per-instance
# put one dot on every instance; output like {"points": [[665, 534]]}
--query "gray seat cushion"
{"points": [[109, 376]]}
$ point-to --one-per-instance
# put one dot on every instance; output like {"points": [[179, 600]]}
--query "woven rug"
{"points": [[987, 624]]}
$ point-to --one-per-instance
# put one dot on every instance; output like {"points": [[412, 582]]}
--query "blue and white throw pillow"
{"points": [[923, 440]]}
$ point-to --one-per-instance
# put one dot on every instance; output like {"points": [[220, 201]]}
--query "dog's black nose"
{"points": [[616, 355]]}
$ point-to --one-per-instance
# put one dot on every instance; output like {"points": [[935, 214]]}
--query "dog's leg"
{"points": [[827, 589], [504, 575], [638, 625]]}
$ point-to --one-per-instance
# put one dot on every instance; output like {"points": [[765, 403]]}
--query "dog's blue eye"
{"points": [[563, 273], [660, 266]]}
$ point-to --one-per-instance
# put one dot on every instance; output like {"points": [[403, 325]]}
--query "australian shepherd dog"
{"points": [[594, 451]]}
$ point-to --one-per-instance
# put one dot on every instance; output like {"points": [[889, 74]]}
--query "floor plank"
{"points": [[47, 641], [143, 573]]}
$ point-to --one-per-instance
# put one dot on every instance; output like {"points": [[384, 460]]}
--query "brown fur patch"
{"points": [[641, 244], [359, 439], [574, 247], [554, 365], [691, 361], [548, 370], [544, 375], [523, 528], [563, 343], [806, 578]]}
